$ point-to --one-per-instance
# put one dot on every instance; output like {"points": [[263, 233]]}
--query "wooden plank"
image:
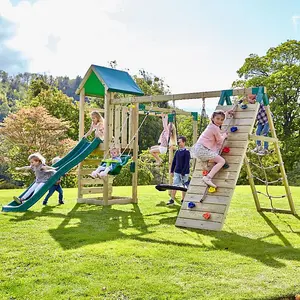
{"points": [[237, 136], [124, 127], [238, 122], [245, 114], [263, 138], [251, 107], [91, 181], [241, 128], [198, 215], [117, 129], [167, 110], [92, 190], [220, 183], [199, 190], [135, 145], [234, 152], [185, 96], [198, 224], [211, 199], [236, 144], [233, 167], [216, 208], [223, 174], [99, 200]]}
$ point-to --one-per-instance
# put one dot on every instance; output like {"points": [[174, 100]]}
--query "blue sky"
{"points": [[195, 45]]}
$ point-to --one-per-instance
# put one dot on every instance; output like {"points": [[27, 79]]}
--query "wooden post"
{"points": [[280, 161], [124, 129], [81, 133], [195, 137], [135, 125], [107, 134], [252, 184], [117, 126]]}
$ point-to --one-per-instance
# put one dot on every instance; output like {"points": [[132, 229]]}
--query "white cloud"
{"points": [[63, 37]]}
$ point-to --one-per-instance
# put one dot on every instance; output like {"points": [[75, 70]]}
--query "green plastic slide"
{"points": [[72, 159]]}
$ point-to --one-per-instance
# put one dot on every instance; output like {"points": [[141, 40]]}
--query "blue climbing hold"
{"points": [[233, 129], [244, 106], [191, 205]]}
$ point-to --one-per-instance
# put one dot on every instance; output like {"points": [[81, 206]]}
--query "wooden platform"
{"points": [[217, 203]]}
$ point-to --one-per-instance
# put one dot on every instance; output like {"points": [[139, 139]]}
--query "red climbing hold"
{"points": [[206, 215], [226, 150], [204, 172]]}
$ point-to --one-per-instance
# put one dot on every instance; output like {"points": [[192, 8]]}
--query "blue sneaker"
{"points": [[171, 202]]}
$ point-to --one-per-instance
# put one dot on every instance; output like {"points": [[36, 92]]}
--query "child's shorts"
{"points": [[163, 150], [201, 152], [180, 180]]}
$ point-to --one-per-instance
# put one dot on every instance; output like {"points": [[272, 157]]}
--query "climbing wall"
{"points": [[217, 203]]}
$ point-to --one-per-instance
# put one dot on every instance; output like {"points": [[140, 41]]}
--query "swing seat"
{"points": [[117, 169], [164, 187]]}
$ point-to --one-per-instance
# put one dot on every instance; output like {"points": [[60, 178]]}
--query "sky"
{"points": [[194, 45]]}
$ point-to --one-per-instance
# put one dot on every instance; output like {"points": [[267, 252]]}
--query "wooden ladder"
{"points": [[217, 203]]}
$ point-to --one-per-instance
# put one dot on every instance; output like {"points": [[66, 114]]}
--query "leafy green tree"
{"points": [[32, 130], [57, 104], [279, 71]]}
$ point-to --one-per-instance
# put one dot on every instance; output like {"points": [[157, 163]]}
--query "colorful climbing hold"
{"points": [[212, 189], [233, 129], [206, 215], [204, 172], [226, 165], [191, 205], [244, 106], [226, 150]]}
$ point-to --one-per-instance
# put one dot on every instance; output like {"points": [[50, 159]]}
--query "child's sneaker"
{"points": [[171, 202], [181, 201], [61, 202], [257, 149], [44, 202], [263, 152], [17, 199], [208, 181]]}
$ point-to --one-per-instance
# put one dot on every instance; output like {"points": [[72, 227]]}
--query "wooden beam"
{"points": [[262, 138], [167, 110], [107, 135], [124, 127], [81, 133], [177, 97], [135, 146]]}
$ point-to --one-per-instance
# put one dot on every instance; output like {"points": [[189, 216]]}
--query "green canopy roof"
{"points": [[97, 78]]}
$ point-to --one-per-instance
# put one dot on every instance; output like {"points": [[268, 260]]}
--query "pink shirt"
{"points": [[211, 137], [164, 136]]}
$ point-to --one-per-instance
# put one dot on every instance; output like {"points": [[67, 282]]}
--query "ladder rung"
{"points": [[283, 211]]}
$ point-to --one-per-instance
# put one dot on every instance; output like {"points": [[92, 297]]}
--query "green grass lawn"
{"points": [[135, 252]]}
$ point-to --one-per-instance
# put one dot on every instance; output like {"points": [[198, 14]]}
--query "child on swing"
{"points": [[97, 125], [209, 144], [107, 165], [169, 131], [42, 174]]}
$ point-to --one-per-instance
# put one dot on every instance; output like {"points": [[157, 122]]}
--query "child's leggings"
{"points": [[33, 189], [220, 161], [101, 169]]}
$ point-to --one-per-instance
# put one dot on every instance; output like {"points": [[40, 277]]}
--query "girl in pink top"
{"points": [[209, 144], [163, 141], [97, 125]]}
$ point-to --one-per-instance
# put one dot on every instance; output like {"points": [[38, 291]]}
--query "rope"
{"points": [[264, 181], [262, 167], [202, 117]]}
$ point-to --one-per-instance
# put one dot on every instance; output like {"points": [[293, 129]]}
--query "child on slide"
{"points": [[97, 125], [42, 174], [107, 165], [169, 131], [209, 144]]}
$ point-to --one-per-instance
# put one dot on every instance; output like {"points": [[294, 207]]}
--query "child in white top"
{"points": [[97, 125], [107, 165], [42, 174], [169, 131]]}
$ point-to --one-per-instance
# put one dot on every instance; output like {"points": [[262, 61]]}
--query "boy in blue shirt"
{"points": [[180, 168]]}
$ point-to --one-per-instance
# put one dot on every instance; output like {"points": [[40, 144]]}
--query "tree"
{"points": [[57, 104], [279, 72], [32, 130]]}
